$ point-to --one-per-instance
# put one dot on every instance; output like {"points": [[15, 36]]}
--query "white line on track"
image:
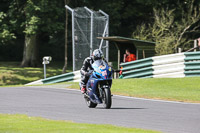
{"points": [[154, 100], [120, 96]]}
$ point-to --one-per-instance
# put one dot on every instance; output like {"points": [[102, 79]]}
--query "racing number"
{"points": [[104, 73]]}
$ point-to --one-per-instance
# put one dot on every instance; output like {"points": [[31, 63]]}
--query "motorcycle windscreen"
{"points": [[99, 65]]}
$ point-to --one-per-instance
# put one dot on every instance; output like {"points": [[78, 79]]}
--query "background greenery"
{"points": [[171, 24]]}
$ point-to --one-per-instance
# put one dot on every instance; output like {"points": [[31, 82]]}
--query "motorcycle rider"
{"points": [[87, 67]]}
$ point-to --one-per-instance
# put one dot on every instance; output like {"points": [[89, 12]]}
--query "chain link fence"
{"points": [[87, 25]]}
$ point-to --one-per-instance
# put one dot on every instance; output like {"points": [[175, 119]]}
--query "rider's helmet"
{"points": [[97, 54]]}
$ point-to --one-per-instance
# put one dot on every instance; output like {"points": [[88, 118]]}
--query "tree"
{"points": [[30, 55], [6, 34], [41, 17], [172, 28], [66, 35]]}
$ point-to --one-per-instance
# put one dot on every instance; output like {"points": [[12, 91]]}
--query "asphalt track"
{"points": [[62, 104]]}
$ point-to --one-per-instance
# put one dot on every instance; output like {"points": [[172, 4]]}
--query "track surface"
{"points": [[60, 104]]}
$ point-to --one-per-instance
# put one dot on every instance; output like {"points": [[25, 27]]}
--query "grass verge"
{"points": [[12, 74], [25, 124], [173, 89]]}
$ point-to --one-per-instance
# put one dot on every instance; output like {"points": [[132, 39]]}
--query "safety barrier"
{"points": [[165, 66], [71, 76]]}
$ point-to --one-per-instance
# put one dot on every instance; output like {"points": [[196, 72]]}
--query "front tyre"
{"points": [[107, 101]]}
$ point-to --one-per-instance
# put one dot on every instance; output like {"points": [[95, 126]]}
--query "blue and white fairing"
{"points": [[102, 73]]}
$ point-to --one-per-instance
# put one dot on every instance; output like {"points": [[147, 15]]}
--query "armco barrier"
{"points": [[71, 76], [137, 64], [165, 66]]}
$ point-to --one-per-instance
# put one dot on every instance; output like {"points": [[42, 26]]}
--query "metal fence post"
{"points": [[107, 33], [44, 71], [73, 41], [195, 45], [91, 29], [46, 60]]}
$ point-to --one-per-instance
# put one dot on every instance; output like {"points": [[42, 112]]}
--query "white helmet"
{"points": [[97, 54]]}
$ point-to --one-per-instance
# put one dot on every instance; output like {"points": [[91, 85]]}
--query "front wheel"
{"points": [[107, 101]]}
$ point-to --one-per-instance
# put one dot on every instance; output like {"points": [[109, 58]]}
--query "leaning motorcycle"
{"points": [[98, 88]]}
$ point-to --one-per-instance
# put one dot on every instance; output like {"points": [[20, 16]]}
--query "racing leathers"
{"points": [[87, 66]]}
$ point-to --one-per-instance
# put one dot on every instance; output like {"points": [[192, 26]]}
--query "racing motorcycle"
{"points": [[98, 86]]}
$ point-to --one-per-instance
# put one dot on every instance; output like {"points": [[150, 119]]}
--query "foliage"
{"points": [[170, 29], [41, 16], [47, 19], [5, 34]]}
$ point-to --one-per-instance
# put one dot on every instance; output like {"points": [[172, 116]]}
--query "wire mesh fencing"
{"points": [[87, 26]]}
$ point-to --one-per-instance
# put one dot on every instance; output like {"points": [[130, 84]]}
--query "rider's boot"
{"points": [[83, 89]]}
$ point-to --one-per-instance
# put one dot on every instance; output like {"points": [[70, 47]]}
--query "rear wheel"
{"points": [[107, 101], [89, 103]]}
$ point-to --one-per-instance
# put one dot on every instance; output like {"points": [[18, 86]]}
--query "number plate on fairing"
{"points": [[104, 73]]}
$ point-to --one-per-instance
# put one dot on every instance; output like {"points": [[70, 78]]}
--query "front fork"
{"points": [[101, 89]]}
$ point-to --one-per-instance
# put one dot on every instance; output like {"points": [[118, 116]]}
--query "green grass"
{"points": [[173, 89], [12, 74], [25, 124]]}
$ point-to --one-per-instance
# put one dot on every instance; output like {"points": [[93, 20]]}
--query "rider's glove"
{"points": [[85, 74], [88, 73]]}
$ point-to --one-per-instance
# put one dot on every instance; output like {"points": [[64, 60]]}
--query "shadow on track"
{"points": [[127, 108], [121, 108]]}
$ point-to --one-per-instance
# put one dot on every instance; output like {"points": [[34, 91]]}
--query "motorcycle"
{"points": [[98, 88]]}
